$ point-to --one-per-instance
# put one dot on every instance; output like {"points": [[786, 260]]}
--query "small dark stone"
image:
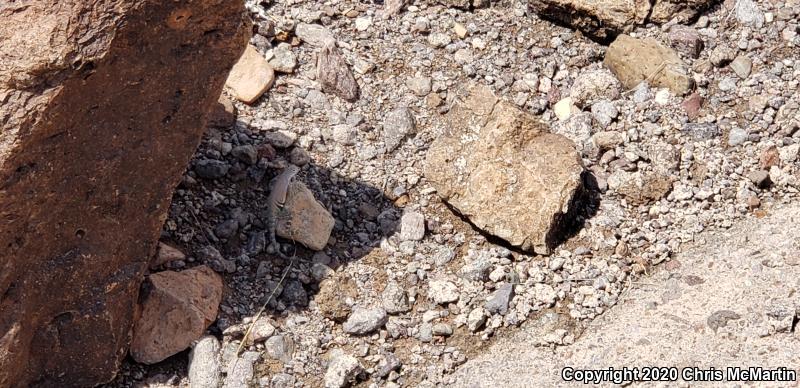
{"points": [[226, 228], [211, 169], [294, 294], [246, 154], [256, 243]]}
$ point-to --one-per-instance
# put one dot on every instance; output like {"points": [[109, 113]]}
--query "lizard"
{"points": [[276, 201]]}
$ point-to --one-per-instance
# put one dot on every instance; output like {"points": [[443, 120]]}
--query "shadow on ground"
{"points": [[201, 214]]}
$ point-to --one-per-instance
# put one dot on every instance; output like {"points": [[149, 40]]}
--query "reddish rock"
{"points": [[165, 254], [692, 105], [686, 40], [177, 309], [101, 106], [770, 157]]}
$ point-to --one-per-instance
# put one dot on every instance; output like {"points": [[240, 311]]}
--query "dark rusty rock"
{"points": [[102, 105]]}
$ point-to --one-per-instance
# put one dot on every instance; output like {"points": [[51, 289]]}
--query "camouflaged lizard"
{"points": [[276, 202]]}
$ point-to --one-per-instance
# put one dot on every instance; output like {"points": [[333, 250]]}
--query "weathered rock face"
{"points": [[500, 168], [177, 309], [604, 19], [101, 106], [635, 60]]}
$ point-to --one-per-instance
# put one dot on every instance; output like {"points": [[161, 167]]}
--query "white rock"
{"points": [[443, 291], [363, 23], [364, 320], [789, 153], [412, 226], [342, 369], [564, 108], [204, 366]]}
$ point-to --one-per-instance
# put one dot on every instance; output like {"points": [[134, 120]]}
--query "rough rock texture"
{"points": [[103, 103], [334, 74], [501, 169], [204, 366], [177, 309], [307, 221], [605, 19], [165, 254], [635, 60]]}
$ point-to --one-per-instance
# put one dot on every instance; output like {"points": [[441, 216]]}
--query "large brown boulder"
{"points": [[500, 168], [102, 104]]}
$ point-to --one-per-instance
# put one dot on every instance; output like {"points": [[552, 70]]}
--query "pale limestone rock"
{"points": [[635, 60], [250, 77], [502, 169]]}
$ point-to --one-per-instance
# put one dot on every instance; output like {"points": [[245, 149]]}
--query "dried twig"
{"points": [[261, 310]]}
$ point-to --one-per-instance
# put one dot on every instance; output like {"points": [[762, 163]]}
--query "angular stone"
{"points": [[395, 299], [412, 226], [443, 291], [748, 13], [397, 124], [692, 105], [280, 347], [604, 19], [702, 131], [500, 168], [177, 309], [306, 221], [686, 40], [392, 7], [239, 373], [742, 66], [498, 303], [640, 188], [334, 74], [165, 254], [250, 77], [364, 320], [681, 10], [103, 102], [635, 60], [283, 60], [314, 34], [342, 369]]}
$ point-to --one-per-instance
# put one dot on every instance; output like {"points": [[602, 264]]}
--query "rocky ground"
{"points": [[728, 300], [405, 290]]}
